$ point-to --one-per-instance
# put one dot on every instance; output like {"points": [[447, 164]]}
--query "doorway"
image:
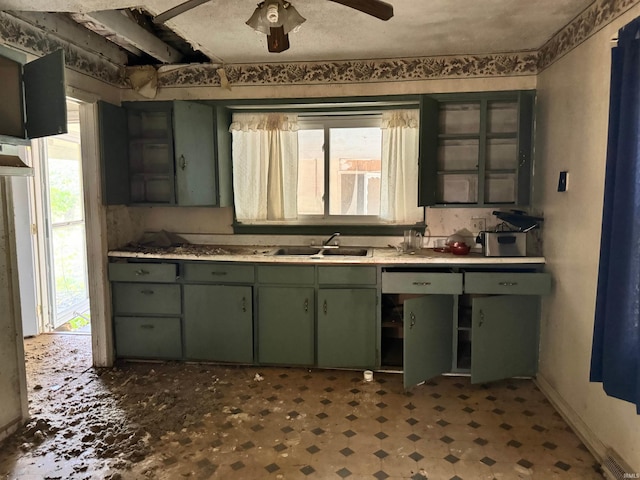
{"points": [[60, 217]]}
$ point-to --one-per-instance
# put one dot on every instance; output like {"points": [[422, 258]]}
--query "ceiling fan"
{"points": [[276, 18]]}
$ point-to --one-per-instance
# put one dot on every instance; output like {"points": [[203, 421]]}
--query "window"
{"points": [[326, 168]]}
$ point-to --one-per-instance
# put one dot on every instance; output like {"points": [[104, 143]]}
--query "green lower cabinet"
{"points": [[504, 337], [347, 327], [428, 337], [286, 325], [218, 323], [148, 337]]}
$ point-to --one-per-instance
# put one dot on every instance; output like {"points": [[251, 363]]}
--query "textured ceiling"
{"points": [[334, 32]]}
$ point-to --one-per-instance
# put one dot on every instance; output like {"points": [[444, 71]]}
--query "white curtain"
{"points": [[399, 182], [265, 166]]}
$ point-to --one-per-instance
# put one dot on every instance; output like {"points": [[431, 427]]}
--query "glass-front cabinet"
{"points": [[476, 149]]}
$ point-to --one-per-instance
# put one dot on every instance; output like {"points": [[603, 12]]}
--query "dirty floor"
{"points": [[171, 421]]}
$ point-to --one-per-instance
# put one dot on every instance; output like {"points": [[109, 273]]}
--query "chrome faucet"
{"points": [[325, 244]]}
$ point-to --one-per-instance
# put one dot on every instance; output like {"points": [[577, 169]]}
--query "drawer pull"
{"points": [[146, 292], [412, 316], [142, 272], [306, 305], [218, 273], [508, 284], [422, 284], [147, 326]]}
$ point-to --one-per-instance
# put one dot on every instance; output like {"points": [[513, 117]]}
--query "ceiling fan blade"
{"points": [[277, 40], [177, 10], [375, 8]]}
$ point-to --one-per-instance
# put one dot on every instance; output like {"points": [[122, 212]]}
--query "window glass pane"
{"points": [[310, 172], [65, 179], [354, 172]]}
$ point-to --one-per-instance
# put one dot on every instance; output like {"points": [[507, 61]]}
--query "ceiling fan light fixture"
{"points": [[275, 14]]}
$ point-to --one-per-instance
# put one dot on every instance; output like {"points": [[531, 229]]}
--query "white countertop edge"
{"points": [[378, 257]]}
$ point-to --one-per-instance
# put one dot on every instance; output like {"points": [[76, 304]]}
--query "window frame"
{"points": [[340, 108]]}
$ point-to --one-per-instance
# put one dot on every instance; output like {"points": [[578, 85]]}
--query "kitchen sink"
{"points": [[318, 252], [347, 252], [297, 251]]}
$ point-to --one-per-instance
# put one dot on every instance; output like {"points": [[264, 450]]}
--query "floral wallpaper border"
{"points": [[27, 37]]}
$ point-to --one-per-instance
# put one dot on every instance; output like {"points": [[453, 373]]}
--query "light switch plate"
{"points": [[563, 181]]}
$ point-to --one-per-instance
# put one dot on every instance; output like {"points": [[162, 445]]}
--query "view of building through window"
{"points": [[354, 171]]}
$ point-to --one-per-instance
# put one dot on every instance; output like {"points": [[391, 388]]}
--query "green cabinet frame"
{"points": [[196, 141], [431, 136]]}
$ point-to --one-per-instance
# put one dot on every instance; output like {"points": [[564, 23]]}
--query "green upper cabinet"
{"points": [[165, 153], [476, 149], [33, 96]]}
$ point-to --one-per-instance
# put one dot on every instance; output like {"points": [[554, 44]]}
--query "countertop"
{"points": [[264, 254]]}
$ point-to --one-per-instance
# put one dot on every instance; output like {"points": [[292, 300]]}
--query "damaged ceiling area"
{"points": [[217, 31]]}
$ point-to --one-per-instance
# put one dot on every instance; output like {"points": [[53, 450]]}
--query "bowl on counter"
{"points": [[459, 248]]}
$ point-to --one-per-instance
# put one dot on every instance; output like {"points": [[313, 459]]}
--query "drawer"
{"points": [[347, 275], [218, 273], [142, 272], [286, 274], [148, 298], [508, 283], [422, 282], [148, 337]]}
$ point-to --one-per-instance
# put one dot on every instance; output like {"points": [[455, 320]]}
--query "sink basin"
{"points": [[297, 251], [347, 252], [318, 252]]}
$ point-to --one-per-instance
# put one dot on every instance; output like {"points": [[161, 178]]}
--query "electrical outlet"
{"points": [[478, 224]]}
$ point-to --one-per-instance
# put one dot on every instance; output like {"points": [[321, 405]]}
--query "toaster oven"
{"points": [[504, 244]]}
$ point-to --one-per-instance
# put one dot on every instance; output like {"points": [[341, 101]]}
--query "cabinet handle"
{"points": [[244, 304], [146, 292], [147, 326], [183, 162], [508, 284], [324, 307], [306, 304], [412, 316], [422, 283], [481, 318], [142, 272], [218, 273]]}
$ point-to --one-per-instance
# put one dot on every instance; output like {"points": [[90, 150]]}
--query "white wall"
{"points": [[13, 395], [573, 103]]}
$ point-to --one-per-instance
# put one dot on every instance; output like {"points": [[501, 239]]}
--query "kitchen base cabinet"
{"points": [[218, 323], [504, 337], [346, 335], [148, 337], [286, 325], [428, 337]]}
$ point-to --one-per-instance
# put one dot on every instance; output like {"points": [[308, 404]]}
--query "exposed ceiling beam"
{"points": [[177, 10], [122, 30], [63, 27]]}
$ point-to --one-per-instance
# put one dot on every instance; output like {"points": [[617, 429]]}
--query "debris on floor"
{"points": [[178, 420]]}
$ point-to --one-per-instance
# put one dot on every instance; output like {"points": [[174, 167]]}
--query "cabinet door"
{"points": [[428, 337], [114, 154], [285, 325], [504, 337], [427, 163], [218, 323], [347, 327], [45, 96], [193, 127]]}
